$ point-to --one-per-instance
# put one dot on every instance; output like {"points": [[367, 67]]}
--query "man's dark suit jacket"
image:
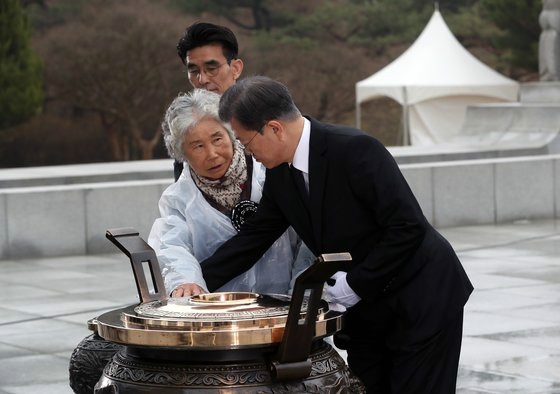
{"points": [[359, 202]]}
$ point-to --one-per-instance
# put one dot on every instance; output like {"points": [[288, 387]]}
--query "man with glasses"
{"points": [[341, 191], [209, 53]]}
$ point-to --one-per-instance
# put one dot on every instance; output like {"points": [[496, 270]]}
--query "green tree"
{"points": [[519, 22], [125, 77], [246, 14], [21, 92]]}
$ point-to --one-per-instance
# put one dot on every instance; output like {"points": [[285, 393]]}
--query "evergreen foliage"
{"points": [[21, 92], [519, 22], [509, 27]]}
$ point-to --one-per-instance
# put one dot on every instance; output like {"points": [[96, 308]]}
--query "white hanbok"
{"points": [[190, 230]]}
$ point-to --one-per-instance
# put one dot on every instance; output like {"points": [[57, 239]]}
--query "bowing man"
{"points": [[342, 191]]}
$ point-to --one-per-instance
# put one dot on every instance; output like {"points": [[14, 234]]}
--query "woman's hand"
{"points": [[187, 290]]}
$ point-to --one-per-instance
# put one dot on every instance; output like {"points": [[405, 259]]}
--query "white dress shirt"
{"points": [[301, 156]]}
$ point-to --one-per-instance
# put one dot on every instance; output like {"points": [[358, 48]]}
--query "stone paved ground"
{"points": [[512, 323]]}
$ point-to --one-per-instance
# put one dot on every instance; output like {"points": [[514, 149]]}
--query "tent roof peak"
{"points": [[435, 63]]}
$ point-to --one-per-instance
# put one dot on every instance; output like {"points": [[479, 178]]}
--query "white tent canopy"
{"points": [[435, 80]]}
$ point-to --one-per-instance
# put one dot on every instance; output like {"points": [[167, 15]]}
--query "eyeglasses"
{"points": [[246, 146], [210, 69]]}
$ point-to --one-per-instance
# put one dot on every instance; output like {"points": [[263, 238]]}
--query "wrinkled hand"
{"points": [[187, 290], [341, 293]]}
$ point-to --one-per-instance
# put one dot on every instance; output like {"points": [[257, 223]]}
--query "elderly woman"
{"points": [[196, 211]]}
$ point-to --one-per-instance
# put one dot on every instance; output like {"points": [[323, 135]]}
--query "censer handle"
{"points": [[143, 260], [292, 359]]}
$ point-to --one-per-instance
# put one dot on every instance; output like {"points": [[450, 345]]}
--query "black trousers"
{"points": [[386, 362]]}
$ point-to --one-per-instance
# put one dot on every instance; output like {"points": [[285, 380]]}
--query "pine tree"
{"points": [[21, 91], [519, 20]]}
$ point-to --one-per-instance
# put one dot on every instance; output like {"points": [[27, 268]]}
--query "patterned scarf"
{"points": [[226, 191]]}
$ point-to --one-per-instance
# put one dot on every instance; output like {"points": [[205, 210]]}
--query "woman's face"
{"points": [[208, 149]]}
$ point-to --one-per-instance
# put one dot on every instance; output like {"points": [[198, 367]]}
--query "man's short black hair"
{"points": [[256, 100], [201, 33]]}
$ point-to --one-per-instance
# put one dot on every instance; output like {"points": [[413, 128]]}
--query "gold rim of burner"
{"points": [[225, 298], [112, 328], [92, 325]]}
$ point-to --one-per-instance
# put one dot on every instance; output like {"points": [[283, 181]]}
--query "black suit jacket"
{"points": [[177, 169], [359, 203]]}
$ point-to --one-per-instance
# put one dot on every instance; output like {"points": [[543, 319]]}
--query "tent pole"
{"points": [[406, 118]]}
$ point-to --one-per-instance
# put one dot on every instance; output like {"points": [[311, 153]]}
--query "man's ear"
{"points": [[236, 68], [277, 128]]}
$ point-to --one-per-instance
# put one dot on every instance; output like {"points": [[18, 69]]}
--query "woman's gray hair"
{"points": [[184, 113]]}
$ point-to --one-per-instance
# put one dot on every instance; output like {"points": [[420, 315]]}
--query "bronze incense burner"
{"points": [[221, 342]]}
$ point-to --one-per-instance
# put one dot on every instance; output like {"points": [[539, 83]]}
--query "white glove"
{"points": [[341, 293]]}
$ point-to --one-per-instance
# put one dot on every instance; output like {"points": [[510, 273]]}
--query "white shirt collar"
{"points": [[301, 156]]}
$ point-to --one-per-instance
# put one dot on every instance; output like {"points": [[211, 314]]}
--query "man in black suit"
{"points": [[342, 191]]}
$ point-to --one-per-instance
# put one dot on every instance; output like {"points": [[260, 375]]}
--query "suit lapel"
{"points": [[317, 178]]}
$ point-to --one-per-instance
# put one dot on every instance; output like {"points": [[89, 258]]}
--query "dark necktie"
{"points": [[300, 183]]}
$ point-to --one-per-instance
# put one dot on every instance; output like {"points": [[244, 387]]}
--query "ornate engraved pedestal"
{"points": [[127, 373], [88, 361]]}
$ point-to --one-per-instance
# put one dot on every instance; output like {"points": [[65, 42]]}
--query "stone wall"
{"points": [[72, 219], [487, 191]]}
